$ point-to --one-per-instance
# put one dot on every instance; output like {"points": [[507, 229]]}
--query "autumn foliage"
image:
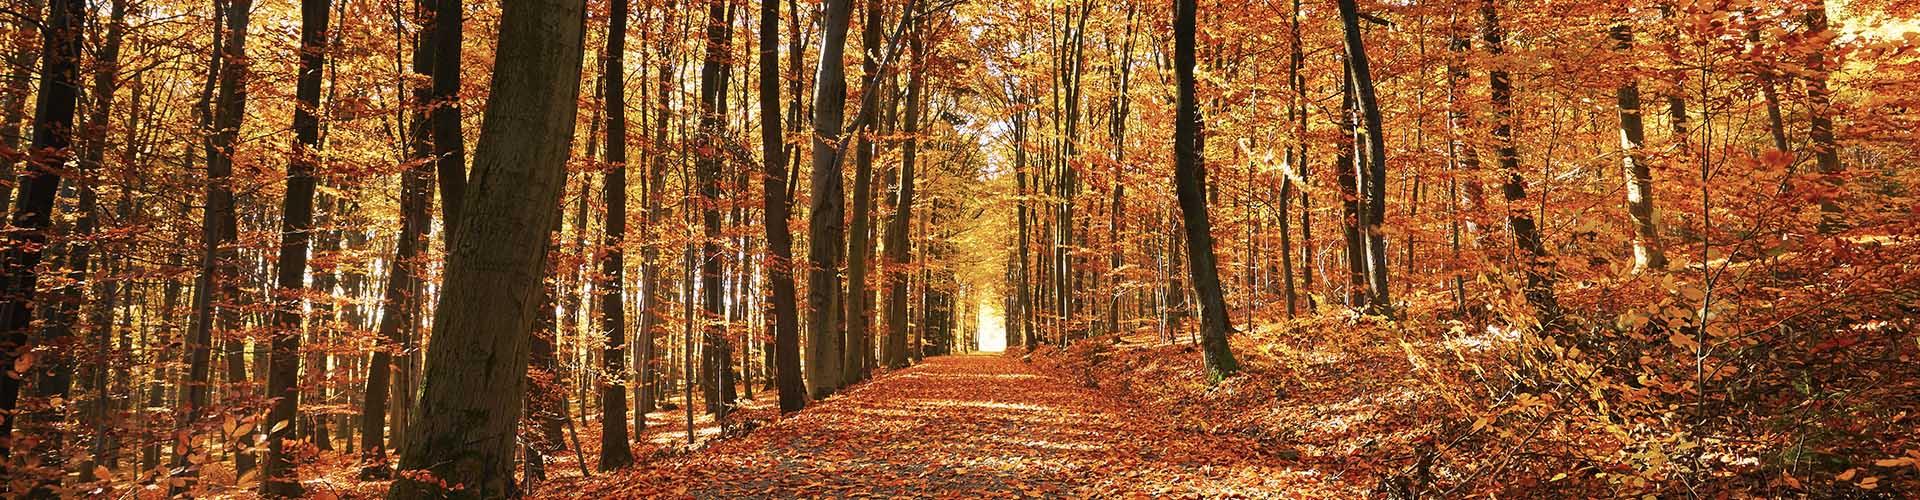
{"points": [[960, 248]]}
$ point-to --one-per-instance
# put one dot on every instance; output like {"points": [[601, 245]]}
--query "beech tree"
{"points": [[614, 452], [1190, 180], [51, 147], [295, 239], [779, 265], [825, 342], [464, 433]]}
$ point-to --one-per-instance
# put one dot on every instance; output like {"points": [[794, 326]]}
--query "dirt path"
{"points": [[972, 426]]}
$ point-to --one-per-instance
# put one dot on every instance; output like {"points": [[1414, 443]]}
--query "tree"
{"points": [[283, 376], [1826, 152], [1190, 182], [1122, 106], [1374, 176], [464, 433], [859, 335], [1536, 265], [898, 248], [786, 327], [221, 115], [106, 78], [19, 276], [20, 61], [400, 304], [1648, 253], [614, 451], [717, 364], [825, 344], [449, 144]]}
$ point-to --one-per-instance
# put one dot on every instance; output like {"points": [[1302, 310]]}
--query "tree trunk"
{"points": [[1465, 159], [786, 326], [221, 112], [475, 366], [825, 345], [899, 250], [1537, 266], [1191, 184], [547, 395], [1374, 176], [858, 335], [656, 308], [614, 450], [400, 304], [50, 149], [1648, 253], [296, 227], [449, 145], [13, 102], [1025, 333], [712, 129], [1826, 152], [100, 321], [1122, 107], [1353, 210]]}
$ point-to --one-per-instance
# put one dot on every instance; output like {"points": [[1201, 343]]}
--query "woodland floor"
{"points": [[975, 426]]}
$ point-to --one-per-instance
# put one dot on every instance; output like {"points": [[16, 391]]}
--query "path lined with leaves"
{"points": [[978, 426]]}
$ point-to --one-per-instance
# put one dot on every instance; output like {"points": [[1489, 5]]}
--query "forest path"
{"points": [[970, 426]]}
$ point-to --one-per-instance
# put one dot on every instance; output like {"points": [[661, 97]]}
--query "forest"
{"points": [[959, 248]]}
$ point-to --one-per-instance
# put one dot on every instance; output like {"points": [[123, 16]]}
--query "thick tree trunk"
{"points": [[475, 366], [825, 345], [1191, 184]]}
